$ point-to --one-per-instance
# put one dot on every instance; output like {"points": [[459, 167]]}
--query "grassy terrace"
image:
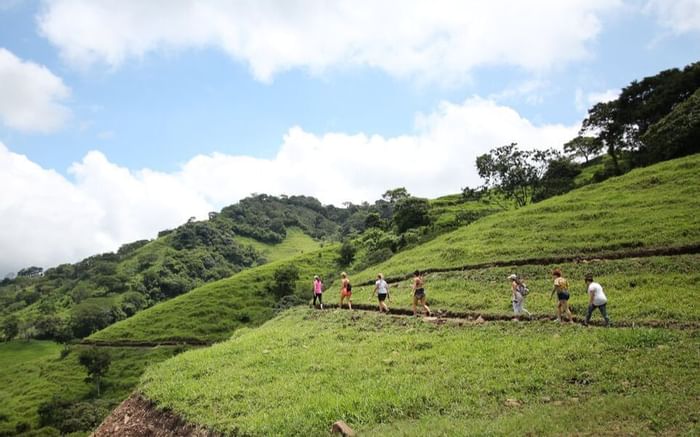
{"points": [[643, 289], [212, 312], [649, 207], [386, 375]]}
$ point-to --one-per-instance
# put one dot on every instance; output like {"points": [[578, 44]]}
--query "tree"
{"points": [[675, 135], [558, 179], [393, 196], [373, 220], [347, 253], [31, 271], [89, 317], [96, 362], [513, 173], [621, 123], [10, 327], [584, 147], [285, 278], [411, 212]]}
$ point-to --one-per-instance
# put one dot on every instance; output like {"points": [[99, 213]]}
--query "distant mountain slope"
{"points": [[656, 206]]}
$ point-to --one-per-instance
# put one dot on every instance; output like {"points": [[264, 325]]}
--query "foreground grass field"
{"points": [[384, 375], [214, 311], [641, 289], [648, 207], [33, 372]]}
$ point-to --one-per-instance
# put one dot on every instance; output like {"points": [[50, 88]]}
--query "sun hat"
{"points": [[513, 276]]}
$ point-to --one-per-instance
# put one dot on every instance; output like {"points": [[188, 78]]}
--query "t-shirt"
{"points": [[318, 286], [596, 291], [382, 287], [561, 284]]}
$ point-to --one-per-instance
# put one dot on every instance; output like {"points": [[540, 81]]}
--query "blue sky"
{"points": [[163, 110]]}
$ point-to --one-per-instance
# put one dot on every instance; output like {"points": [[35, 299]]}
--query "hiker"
{"points": [[381, 289], [561, 287], [345, 290], [318, 291], [518, 291], [419, 292], [596, 299]]}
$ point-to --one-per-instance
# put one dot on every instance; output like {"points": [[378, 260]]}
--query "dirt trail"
{"points": [[614, 255], [476, 317], [145, 344]]}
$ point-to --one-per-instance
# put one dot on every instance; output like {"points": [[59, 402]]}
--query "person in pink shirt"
{"points": [[318, 291]]}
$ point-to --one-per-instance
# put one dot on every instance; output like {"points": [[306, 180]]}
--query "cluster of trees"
{"points": [[655, 119]]}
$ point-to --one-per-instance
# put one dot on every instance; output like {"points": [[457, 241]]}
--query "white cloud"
{"points": [[46, 219], [584, 101], [30, 95], [679, 16], [440, 40]]}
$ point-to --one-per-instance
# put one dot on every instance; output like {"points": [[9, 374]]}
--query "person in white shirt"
{"points": [[381, 289], [596, 299]]}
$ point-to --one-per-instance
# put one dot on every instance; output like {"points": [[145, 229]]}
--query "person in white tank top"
{"points": [[596, 299]]}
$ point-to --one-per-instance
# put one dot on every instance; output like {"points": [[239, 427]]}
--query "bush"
{"points": [[285, 278], [347, 253], [70, 416]]}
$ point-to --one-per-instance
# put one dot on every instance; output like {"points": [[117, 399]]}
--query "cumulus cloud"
{"points": [[46, 218], [30, 95], [679, 16], [438, 40]]}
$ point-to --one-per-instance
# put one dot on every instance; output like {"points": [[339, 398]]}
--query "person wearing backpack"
{"points": [[518, 293], [381, 289], [345, 290], [318, 291], [596, 299]]}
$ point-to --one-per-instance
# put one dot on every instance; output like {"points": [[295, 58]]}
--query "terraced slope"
{"points": [[385, 375], [647, 208]]}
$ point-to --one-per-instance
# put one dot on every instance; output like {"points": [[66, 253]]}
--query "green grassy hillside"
{"points": [[295, 243], [649, 207], [213, 311], [386, 375], [34, 373]]}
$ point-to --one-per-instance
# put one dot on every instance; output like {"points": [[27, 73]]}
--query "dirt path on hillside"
{"points": [[138, 344], [471, 318], [690, 249], [139, 417]]}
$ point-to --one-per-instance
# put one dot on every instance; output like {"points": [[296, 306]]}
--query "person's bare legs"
{"points": [[415, 302], [422, 301]]}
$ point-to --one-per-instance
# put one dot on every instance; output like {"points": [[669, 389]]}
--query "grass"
{"points": [[296, 243], [302, 371], [649, 207], [33, 372], [642, 289], [214, 311]]}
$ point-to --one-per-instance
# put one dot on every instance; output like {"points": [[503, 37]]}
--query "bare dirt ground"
{"points": [[137, 416]]}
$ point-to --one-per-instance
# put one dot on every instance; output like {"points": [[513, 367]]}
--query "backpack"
{"points": [[522, 289], [348, 287]]}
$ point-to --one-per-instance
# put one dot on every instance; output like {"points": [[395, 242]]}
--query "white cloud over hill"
{"points": [[46, 219], [440, 40]]}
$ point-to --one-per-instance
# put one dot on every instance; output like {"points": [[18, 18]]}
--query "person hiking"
{"points": [[596, 299], [561, 288], [419, 292], [345, 290], [381, 289], [318, 291], [518, 292]]}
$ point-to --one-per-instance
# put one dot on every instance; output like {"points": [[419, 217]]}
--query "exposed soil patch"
{"points": [[138, 417]]}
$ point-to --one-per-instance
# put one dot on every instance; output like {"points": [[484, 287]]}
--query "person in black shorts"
{"points": [[419, 292], [381, 289], [561, 287]]}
